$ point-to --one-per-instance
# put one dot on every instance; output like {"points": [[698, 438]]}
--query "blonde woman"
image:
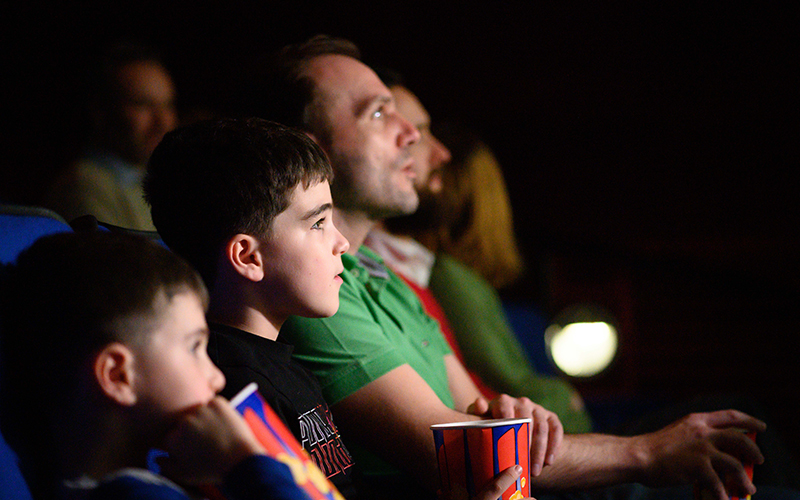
{"points": [[474, 222]]}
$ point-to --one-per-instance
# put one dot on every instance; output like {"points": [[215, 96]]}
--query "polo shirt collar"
{"points": [[368, 268]]}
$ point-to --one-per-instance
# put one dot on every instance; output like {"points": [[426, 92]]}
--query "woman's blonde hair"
{"points": [[475, 223]]}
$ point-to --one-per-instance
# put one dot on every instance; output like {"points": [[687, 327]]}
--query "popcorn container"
{"points": [[470, 454], [702, 494]]}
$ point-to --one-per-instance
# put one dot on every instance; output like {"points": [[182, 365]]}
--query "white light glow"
{"points": [[582, 349]]}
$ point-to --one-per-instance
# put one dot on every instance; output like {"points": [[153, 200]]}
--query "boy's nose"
{"points": [[342, 244], [217, 379]]}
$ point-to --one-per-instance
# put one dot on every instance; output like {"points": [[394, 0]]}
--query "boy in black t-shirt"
{"points": [[248, 203]]}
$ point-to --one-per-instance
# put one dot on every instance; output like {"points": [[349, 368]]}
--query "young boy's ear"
{"points": [[243, 253], [114, 371]]}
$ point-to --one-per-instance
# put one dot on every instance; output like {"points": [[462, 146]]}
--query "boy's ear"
{"points": [[114, 371], [243, 253]]}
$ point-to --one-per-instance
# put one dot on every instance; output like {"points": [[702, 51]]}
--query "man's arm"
{"points": [[706, 448], [461, 385], [392, 416]]}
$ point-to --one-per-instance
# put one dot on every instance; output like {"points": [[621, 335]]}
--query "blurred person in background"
{"points": [[464, 222], [132, 106]]}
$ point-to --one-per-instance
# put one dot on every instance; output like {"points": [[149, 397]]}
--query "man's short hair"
{"points": [[63, 301], [278, 88], [212, 180]]}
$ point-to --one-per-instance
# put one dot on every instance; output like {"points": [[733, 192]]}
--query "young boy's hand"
{"points": [[208, 441], [500, 483], [491, 491], [546, 434]]}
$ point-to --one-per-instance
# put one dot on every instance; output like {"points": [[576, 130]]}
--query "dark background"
{"points": [[651, 150]]}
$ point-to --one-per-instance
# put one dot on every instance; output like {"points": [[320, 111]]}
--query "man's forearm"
{"points": [[591, 460]]}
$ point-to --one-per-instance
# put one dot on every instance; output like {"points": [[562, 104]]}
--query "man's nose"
{"points": [[409, 133], [441, 154]]}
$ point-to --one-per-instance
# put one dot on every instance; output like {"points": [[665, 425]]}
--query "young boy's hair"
{"points": [[67, 297], [212, 180]]}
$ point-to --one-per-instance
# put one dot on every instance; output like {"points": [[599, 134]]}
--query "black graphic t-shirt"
{"points": [[290, 389]]}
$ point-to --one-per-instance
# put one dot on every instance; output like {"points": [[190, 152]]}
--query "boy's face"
{"points": [[303, 257], [172, 369]]}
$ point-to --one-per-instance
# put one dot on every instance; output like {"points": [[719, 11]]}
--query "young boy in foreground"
{"points": [[103, 359], [248, 203]]}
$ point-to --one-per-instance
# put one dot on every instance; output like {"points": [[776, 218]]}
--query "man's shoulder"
{"points": [[454, 269], [84, 175]]}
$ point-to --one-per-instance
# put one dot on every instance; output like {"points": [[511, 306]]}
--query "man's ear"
{"points": [[114, 371], [243, 253]]}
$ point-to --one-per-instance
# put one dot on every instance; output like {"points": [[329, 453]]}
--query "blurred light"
{"points": [[582, 341]]}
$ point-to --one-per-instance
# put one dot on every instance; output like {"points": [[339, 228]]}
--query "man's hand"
{"points": [[208, 441], [547, 432], [707, 448]]}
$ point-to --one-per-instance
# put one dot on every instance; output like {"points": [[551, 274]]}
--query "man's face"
{"points": [[303, 257], [366, 138], [142, 112], [429, 154]]}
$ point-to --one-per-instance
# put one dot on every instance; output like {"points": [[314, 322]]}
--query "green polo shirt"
{"points": [[380, 325]]}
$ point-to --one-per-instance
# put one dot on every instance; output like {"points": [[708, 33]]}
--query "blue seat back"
{"points": [[12, 484], [88, 223], [20, 226]]}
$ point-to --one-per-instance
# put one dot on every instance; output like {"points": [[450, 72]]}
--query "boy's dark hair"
{"points": [[277, 88], [212, 180], [60, 304]]}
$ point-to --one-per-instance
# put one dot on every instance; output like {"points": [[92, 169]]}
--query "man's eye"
{"points": [[378, 113]]}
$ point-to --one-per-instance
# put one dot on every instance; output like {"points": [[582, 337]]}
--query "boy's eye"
{"points": [[198, 345], [318, 224]]}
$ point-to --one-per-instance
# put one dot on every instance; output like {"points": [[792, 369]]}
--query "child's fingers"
{"points": [[499, 484]]}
